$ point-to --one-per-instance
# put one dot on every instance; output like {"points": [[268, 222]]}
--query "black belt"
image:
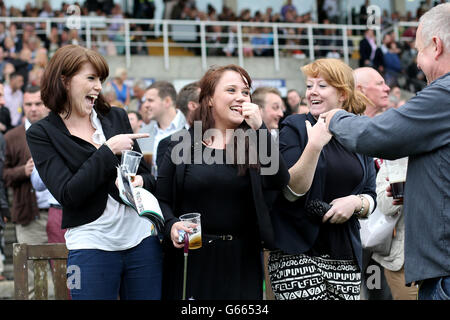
{"points": [[213, 237], [56, 206]]}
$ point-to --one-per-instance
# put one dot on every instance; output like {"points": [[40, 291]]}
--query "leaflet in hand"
{"points": [[141, 200]]}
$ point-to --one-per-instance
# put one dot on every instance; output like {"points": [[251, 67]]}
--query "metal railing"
{"points": [[100, 31], [403, 24]]}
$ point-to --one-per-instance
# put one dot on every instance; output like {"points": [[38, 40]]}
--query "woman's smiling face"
{"points": [[83, 90], [230, 92], [321, 97]]}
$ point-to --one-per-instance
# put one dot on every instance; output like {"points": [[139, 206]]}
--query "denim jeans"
{"points": [[132, 274], [435, 289]]}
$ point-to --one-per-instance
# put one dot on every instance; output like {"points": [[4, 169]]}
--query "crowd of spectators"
{"points": [[27, 46]]}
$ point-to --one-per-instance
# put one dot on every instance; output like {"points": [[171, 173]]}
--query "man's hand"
{"points": [[327, 116], [29, 166], [318, 134], [395, 202]]}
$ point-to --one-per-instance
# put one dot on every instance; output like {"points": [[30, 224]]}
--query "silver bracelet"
{"points": [[359, 214]]}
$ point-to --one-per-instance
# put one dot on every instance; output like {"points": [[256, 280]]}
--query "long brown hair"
{"points": [[64, 64], [339, 75], [204, 112]]}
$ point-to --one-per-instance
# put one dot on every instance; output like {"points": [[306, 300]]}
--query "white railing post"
{"points": [[345, 44], [48, 28], [378, 35], [166, 44], [240, 49], [396, 32], [276, 53], [127, 44], [203, 44], [88, 34], [311, 43]]}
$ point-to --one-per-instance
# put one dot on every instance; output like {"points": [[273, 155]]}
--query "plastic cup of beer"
{"points": [[148, 157], [397, 176], [192, 221], [130, 161]]}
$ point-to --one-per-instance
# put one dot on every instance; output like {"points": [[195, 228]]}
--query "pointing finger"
{"points": [[137, 135]]}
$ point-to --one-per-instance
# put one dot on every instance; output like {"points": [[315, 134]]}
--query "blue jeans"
{"points": [[435, 289], [132, 274]]}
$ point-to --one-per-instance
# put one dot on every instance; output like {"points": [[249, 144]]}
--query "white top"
{"points": [[157, 134], [173, 127], [43, 196], [292, 196], [118, 228]]}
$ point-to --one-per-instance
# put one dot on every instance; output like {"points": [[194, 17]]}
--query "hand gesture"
{"points": [[318, 134], [252, 115], [124, 141], [342, 209], [29, 166], [327, 116]]}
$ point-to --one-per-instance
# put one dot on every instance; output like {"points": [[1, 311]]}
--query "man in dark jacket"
{"points": [[419, 129], [30, 221]]}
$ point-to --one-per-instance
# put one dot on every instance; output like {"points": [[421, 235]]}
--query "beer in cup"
{"points": [[192, 221], [130, 161], [397, 176], [148, 157]]}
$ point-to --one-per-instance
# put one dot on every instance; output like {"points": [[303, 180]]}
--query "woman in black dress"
{"points": [[320, 258], [228, 193]]}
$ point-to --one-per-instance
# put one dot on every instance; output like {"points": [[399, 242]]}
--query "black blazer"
{"points": [[79, 175], [365, 50], [295, 232], [169, 190], [163, 145]]}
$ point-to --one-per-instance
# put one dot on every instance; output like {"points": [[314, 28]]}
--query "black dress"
{"points": [[220, 269], [343, 174]]}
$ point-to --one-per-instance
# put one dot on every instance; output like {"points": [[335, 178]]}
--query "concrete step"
{"points": [[8, 271], [7, 290], [9, 235], [173, 51]]}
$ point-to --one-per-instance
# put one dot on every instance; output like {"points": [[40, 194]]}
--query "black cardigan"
{"points": [[169, 189], [77, 174], [295, 232]]}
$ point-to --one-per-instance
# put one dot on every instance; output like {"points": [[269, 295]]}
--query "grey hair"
{"points": [[140, 83], [436, 22]]}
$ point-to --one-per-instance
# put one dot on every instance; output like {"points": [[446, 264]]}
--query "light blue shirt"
{"points": [[157, 134], [43, 197]]}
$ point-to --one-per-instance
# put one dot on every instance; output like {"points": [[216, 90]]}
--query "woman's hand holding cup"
{"points": [[175, 233]]}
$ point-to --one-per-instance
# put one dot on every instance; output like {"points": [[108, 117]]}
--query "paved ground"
{"points": [[7, 286]]}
